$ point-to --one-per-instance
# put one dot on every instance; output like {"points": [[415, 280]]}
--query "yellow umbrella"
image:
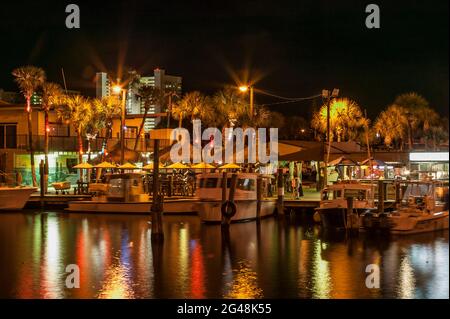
{"points": [[202, 165], [230, 166], [83, 166], [178, 166], [150, 166], [128, 166], [105, 165]]}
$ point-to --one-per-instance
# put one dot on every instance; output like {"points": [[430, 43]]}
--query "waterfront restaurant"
{"points": [[63, 144], [428, 164]]}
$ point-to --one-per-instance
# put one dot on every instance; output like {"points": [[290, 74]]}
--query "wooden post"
{"points": [[156, 209], [42, 178], [233, 185], [42, 181], [259, 197], [226, 220], [170, 186], [280, 201], [350, 216], [224, 194], [380, 196], [397, 194]]}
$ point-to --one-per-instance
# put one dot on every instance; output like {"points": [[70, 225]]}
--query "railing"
{"points": [[70, 143]]}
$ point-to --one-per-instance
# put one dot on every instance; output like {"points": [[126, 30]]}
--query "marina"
{"points": [[276, 258]]}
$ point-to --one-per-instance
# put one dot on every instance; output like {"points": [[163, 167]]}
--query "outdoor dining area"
{"points": [[176, 179]]}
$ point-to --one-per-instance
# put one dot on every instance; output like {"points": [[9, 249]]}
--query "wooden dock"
{"points": [[53, 200]]}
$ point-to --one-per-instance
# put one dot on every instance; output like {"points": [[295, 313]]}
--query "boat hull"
{"points": [[15, 198], [210, 212], [110, 207], [176, 206], [335, 218], [422, 224]]}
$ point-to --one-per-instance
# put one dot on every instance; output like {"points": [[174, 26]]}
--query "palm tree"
{"points": [[105, 109], [29, 78], [421, 117], [346, 119], [51, 94], [77, 111], [193, 105], [392, 125], [149, 96]]}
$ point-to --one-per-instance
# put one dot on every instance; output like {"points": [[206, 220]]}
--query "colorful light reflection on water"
{"points": [[277, 259]]}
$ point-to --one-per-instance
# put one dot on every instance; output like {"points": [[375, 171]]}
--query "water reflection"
{"points": [[273, 259]]}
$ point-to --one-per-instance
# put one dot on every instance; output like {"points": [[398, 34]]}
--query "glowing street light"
{"points": [[117, 89], [244, 89]]}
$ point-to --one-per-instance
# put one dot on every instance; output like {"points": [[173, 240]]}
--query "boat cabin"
{"points": [[126, 187], [362, 194], [209, 186]]}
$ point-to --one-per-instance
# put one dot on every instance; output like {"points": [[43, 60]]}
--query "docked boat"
{"points": [[15, 198], [125, 194], [209, 193], [333, 207], [424, 208]]}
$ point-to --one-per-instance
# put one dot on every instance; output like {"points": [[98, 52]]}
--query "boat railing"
{"points": [[9, 179]]}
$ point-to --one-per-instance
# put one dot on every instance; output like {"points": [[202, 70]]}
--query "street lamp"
{"points": [[117, 89], [326, 94], [244, 89]]}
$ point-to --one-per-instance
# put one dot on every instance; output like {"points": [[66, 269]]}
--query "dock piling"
{"points": [[259, 197], [157, 205], [280, 184], [381, 196]]}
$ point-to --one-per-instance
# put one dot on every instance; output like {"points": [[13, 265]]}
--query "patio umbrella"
{"points": [[178, 166], [128, 166], [150, 166], [375, 162], [105, 165], [83, 166], [202, 165], [230, 166], [342, 161]]}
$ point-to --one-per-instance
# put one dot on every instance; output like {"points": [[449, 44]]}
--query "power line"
{"points": [[289, 98]]}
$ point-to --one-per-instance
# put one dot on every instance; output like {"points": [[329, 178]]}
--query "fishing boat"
{"points": [[424, 208], [15, 198], [333, 208], [125, 194], [209, 193]]}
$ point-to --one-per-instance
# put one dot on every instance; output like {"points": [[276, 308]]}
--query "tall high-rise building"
{"points": [[102, 85], [134, 105]]}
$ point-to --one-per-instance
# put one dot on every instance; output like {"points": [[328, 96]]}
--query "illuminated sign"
{"points": [[428, 156]]}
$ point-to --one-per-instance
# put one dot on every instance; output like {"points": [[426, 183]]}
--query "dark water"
{"points": [[278, 259]]}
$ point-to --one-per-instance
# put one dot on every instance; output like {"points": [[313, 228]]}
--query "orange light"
{"points": [[117, 89], [243, 88]]}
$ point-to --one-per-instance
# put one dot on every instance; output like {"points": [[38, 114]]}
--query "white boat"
{"points": [[15, 198], [125, 194], [424, 209], [333, 203], [209, 192]]}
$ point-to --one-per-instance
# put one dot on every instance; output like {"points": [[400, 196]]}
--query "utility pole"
{"points": [[326, 94]]}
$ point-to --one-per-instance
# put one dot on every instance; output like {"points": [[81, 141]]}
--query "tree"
{"points": [[346, 120], [51, 95], [106, 108], [29, 79], [77, 111], [392, 125], [149, 96], [193, 105]]}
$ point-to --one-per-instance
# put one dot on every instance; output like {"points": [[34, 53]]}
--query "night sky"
{"points": [[293, 49]]}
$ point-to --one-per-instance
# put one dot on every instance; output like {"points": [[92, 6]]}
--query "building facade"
{"points": [[134, 105]]}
